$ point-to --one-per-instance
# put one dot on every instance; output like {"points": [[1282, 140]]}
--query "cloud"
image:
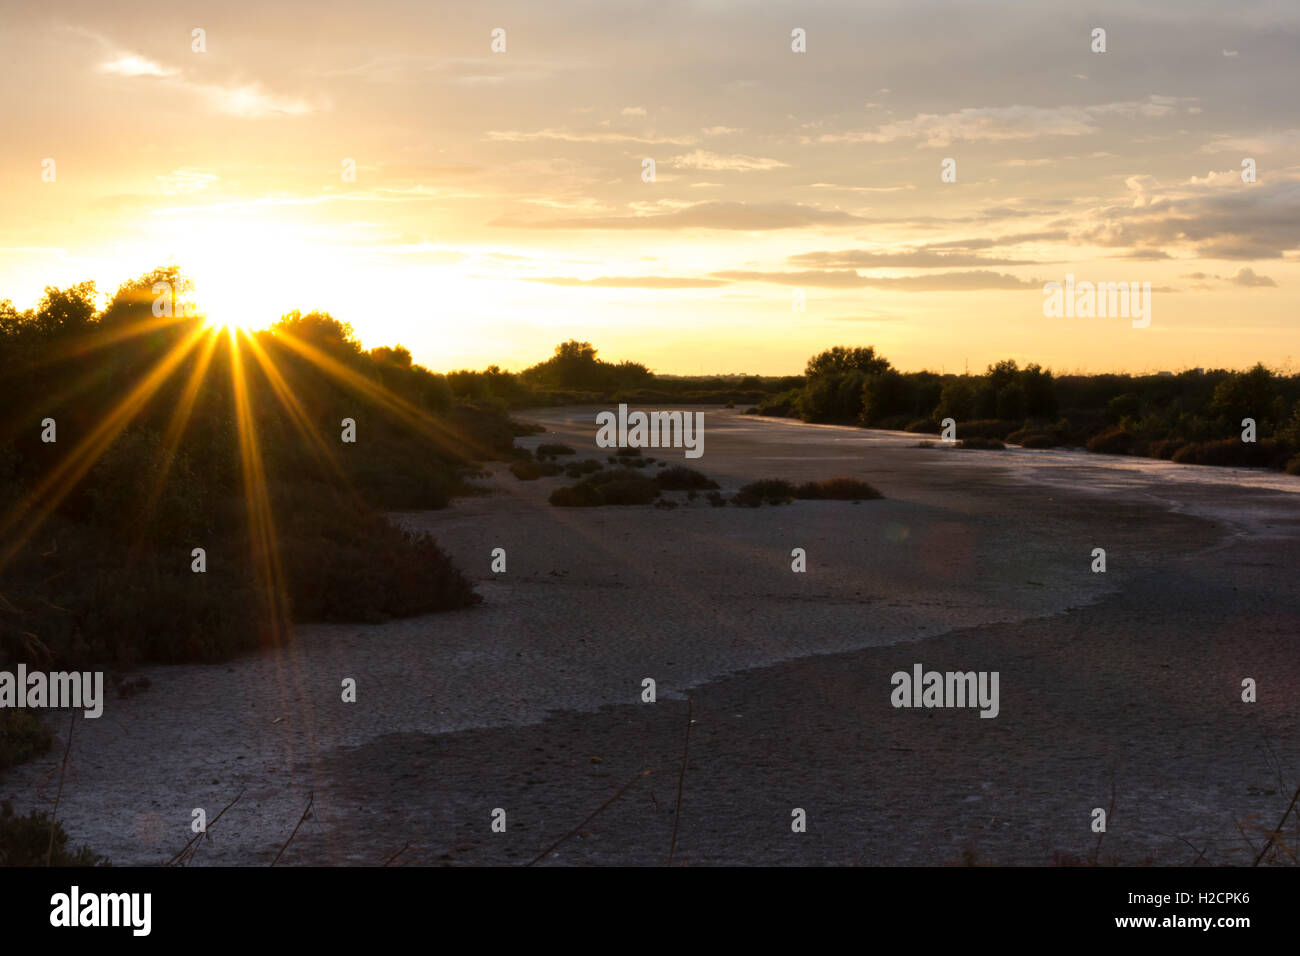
{"points": [[875, 319], [1217, 217], [181, 181], [250, 101], [1247, 277], [720, 130], [703, 159], [1145, 255], [1004, 123], [633, 111], [1015, 239], [130, 64], [919, 258], [243, 99], [707, 215], [568, 136], [848, 279], [631, 282], [862, 189], [1270, 141]]}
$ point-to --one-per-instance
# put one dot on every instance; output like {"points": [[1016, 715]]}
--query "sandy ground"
{"points": [[531, 702]]}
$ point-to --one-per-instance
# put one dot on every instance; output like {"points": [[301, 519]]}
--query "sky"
{"points": [[502, 202]]}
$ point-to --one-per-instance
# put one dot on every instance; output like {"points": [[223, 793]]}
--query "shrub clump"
{"points": [[681, 478], [22, 737], [772, 491], [1112, 441], [554, 448], [1231, 452], [25, 841], [622, 487], [576, 469], [526, 470], [981, 444], [837, 489], [1166, 448]]}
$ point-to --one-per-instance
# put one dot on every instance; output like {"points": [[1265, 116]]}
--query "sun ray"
{"points": [[265, 548], [178, 422], [262, 540], [321, 450], [76, 349], [59, 483], [439, 434]]}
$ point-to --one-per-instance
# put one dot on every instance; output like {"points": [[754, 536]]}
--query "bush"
{"points": [[1038, 441], [1112, 441], [625, 487], [532, 470], [1293, 466], [1166, 448], [22, 737], [576, 469], [1038, 434], [25, 841], [554, 448], [359, 566], [1231, 452], [681, 478], [837, 489], [986, 428], [981, 444], [716, 500], [772, 491], [632, 489]]}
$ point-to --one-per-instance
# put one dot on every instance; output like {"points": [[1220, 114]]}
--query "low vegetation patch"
{"points": [[770, 491], [576, 469], [1112, 441], [982, 444], [22, 737], [532, 470], [554, 448], [681, 478], [620, 487], [837, 489], [25, 841]]}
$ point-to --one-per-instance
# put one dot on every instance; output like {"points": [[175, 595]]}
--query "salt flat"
{"points": [[531, 701]]}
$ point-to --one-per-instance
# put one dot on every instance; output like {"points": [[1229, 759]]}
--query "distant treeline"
{"points": [[131, 436], [1193, 417], [575, 375]]}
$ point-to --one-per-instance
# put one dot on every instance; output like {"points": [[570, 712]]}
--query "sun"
{"points": [[217, 323], [246, 272]]}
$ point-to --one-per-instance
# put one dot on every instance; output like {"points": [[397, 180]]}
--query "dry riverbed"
{"points": [[531, 702]]}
